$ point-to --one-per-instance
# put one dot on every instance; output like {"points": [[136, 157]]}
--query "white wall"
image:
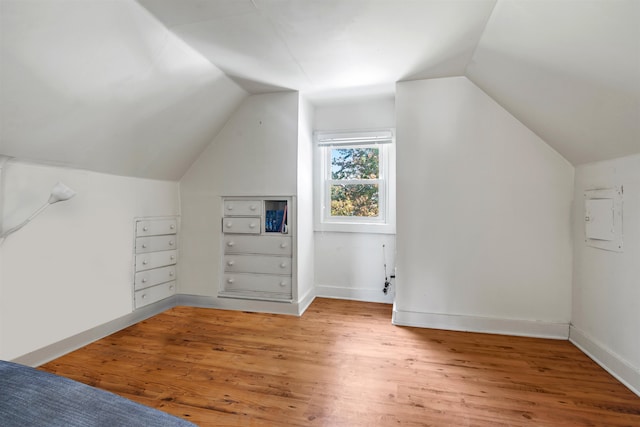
{"points": [[351, 265], [483, 215], [70, 269], [256, 153], [305, 237], [606, 285]]}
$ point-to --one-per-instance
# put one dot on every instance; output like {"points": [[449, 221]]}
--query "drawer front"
{"points": [[155, 259], [153, 294], [257, 264], [242, 207], [156, 243], [241, 225], [156, 227], [256, 283], [145, 279], [268, 245]]}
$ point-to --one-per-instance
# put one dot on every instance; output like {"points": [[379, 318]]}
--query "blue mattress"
{"points": [[29, 397]]}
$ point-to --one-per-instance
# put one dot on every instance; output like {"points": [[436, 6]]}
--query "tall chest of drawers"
{"points": [[156, 244], [258, 260]]}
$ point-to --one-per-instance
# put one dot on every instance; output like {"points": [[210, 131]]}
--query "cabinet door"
{"points": [[156, 227], [267, 245], [145, 279], [150, 260], [241, 225], [256, 283], [156, 243], [257, 264], [153, 294], [242, 207]]}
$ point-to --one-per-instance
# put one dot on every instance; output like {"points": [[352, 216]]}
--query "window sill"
{"points": [[341, 227]]}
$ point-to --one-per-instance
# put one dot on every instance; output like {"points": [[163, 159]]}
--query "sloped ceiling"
{"points": [[569, 70], [102, 85], [139, 88]]}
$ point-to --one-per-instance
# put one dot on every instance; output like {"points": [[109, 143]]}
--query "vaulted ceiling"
{"points": [[140, 88]]}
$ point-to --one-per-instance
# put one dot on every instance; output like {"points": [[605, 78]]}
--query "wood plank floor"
{"points": [[343, 364]]}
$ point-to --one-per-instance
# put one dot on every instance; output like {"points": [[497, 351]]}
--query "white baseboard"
{"points": [[74, 342], [488, 325], [356, 294], [622, 370], [239, 304], [306, 301]]}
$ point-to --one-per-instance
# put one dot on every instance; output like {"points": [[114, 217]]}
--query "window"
{"points": [[354, 181]]}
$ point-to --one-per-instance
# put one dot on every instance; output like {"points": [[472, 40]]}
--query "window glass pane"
{"points": [[355, 163], [359, 200]]}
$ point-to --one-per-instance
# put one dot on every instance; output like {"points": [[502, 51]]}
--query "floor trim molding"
{"points": [[74, 342], [356, 294], [622, 370], [452, 322]]}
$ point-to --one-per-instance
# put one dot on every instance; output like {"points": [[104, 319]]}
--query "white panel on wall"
{"points": [[350, 265], [606, 284], [483, 209], [255, 154], [70, 269]]}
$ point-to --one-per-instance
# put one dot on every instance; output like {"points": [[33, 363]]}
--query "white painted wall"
{"points": [[256, 153], [104, 86], [351, 265], [70, 269], [304, 235], [606, 285], [483, 215]]}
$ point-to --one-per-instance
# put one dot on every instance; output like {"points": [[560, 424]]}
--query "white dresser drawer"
{"points": [[156, 227], [257, 264], [147, 278], [268, 245], [242, 207], [153, 294], [155, 259], [241, 225], [256, 283], [156, 243]]}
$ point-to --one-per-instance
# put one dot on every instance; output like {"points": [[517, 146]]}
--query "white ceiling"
{"points": [[318, 45], [140, 87]]}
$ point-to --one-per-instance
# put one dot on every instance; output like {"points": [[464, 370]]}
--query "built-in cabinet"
{"points": [[258, 254], [156, 244]]}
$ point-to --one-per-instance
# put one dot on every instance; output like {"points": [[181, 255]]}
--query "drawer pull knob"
{"points": [[144, 280], [145, 262], [230, 281], [171, 287], [253, 207], [229, 224], [143, 296], [172, 257], [171, 274], [283, 265], [252, 225], [283, 245], [230, 263], [283, 283], [230, 243], [144, 246], [172, 226], [170, 242], [145, 228], [229, 207]]}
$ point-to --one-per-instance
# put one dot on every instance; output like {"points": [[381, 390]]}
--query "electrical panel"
{"points": [[603, 218]]}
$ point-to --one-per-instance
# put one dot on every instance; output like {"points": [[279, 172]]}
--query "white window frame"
{"points": [[384, 140]]}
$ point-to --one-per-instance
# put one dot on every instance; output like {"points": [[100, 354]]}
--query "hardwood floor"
{"points": [[343, 364]]}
